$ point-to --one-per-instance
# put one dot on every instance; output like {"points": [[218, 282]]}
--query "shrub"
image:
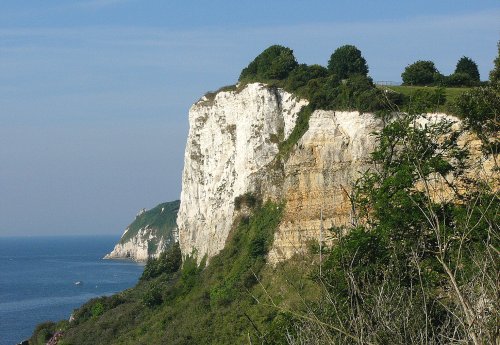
{"points": [[153, 296], [97, 309], [347, 61], [248, 199], [422, 101], [168, 262], [420, 73], [458, 79]]}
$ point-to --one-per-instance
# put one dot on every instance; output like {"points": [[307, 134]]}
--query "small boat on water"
{"points": [[78, 282]]}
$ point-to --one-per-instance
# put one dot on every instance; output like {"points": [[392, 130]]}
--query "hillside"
{"points": [[151, 233]]}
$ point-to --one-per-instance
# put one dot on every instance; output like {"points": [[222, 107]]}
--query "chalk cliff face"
{"points": [[232, 139], [318, 176], [232, 149], [151, 233]]}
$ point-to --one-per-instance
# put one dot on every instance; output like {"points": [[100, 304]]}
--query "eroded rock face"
{"points": [[232, 138], [319, 175]]}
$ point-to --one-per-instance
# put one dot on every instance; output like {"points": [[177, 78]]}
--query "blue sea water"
{"points": [[38, 275]]}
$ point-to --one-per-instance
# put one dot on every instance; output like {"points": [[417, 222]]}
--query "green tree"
{"points": [[480, 107], [495, 72], [467, 66], [274, 63], [347, 61], [420, 73], [168, 262]]}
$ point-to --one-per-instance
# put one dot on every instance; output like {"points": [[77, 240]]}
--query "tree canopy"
{"points": [[274, 63], [467, 66], [420, 73], [347, 61]]}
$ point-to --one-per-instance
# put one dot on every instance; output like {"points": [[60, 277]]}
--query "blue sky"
{"points": [[94, 94]]}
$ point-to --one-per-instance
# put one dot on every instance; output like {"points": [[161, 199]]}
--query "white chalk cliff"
{"points": [[151, 233], [232, 148], [232, 138]]}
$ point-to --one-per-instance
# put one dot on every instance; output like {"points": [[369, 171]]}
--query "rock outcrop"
{"points": [[151, 233]]}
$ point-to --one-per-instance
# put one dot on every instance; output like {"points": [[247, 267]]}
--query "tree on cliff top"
{"points": [[274, 63], [347, 61], [419, 73]]}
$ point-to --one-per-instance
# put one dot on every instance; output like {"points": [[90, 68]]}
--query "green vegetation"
{"points": [[274, 63], [162, 217], [421, 263], [420, 73], [347, 61], [168, 262], [468, 67], [428, 98], [425, 73], [216, 304], [495, 72], [480, 108]]}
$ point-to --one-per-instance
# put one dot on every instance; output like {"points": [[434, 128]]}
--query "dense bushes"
{"points": [[425, 73], [168, 262], [421, 264]]}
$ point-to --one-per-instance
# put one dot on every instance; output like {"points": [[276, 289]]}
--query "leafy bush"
{"points": [[43, 332], [480, 108], [422, 100], [347, 61], [420, 73], [168, 262], [248, 199], [153, 296], [97, 309], [458, 79]]}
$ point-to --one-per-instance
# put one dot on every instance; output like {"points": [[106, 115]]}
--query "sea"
{"points": [[38, 276]]}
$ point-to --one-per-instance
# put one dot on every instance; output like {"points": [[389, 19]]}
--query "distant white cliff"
{"points": [[151, 233]]}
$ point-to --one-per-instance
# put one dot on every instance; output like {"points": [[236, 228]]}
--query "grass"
{"points": [[452, 93]]}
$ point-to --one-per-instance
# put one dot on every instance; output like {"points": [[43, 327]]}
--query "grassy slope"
{"points": [[221, 304]]}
